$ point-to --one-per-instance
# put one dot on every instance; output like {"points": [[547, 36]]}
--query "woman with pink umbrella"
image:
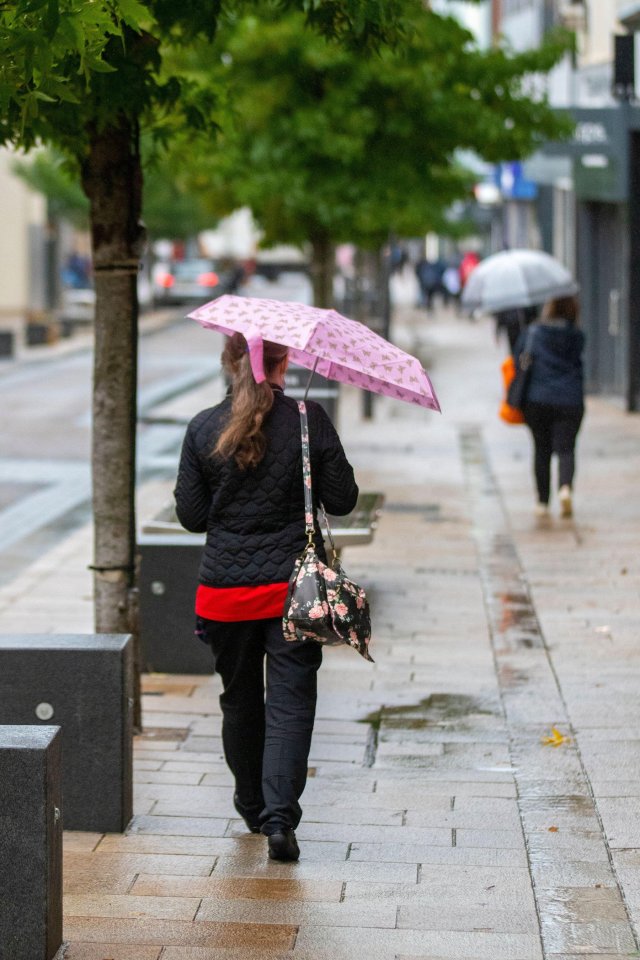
{"points": [[240, 480]]}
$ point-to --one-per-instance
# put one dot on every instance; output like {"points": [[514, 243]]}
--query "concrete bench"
{"points": [[355, 529], [359, 526], [30, 842], [170, 559], [83, 683]]}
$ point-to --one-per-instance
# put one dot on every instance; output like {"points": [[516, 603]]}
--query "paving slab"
{"points": [[232, 888], [112, 951], [450, 943], [135, 907], [166, 932]]}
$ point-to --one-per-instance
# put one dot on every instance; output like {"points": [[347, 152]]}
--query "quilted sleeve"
{"points": [[333, 480], [192, 493]]}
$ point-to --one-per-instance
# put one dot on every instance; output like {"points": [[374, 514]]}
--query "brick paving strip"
{"points": [[580, 902]]}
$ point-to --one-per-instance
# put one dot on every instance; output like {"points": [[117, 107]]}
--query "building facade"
{"points": [[585, 207], [22, 251]]}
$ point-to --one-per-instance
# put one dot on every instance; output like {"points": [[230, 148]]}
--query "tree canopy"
{"points": [[338, 142], [69, 66]]}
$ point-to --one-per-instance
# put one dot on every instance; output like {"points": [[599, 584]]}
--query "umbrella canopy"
{"points": [[517, 278], [323, 340]]}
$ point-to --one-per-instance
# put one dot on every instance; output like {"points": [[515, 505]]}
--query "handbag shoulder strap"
{"points": [[531, 332], [306, 471], [306, 477]]}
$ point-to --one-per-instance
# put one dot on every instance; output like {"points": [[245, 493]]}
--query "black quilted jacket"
{"points": [[254, 519]]}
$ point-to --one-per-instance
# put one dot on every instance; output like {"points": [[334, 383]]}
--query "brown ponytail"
{"points": [[242, 437]]}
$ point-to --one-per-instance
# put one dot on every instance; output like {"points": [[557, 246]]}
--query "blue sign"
{"points": [[512, 183]]}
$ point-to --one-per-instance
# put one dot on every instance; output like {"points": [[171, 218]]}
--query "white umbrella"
{"points": [[517, 278]]}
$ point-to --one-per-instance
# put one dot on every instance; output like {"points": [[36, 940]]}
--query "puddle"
{"points": [[439, 709], [433, 710]]}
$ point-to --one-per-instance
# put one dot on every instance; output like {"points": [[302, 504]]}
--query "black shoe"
{"points": [[253, 824], [283, 845], [252, 827]]}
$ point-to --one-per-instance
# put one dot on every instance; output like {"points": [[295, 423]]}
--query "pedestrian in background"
{"points": [[451, 285], [429, 274], [469, 262], [240, 480], [554, 401]]}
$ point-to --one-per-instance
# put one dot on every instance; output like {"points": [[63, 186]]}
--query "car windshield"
{"points": [[192, 269]]}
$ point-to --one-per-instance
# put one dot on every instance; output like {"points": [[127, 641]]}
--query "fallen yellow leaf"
{"points": [[556, 738], [552, 829]]}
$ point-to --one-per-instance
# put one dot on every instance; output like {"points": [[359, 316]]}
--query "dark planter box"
{"points": [[85, 685], [30, 842], [169, 563]]}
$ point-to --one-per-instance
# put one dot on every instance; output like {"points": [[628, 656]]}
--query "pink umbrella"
{"points": [[324, 341]]}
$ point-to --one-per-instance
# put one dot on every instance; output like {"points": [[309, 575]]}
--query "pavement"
{"points": [[475, 793]]}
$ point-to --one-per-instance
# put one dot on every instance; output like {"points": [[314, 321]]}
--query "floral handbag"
{"points": [[322, 603]]}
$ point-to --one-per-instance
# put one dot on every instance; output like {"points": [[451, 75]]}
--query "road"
{"points": [[45, 440]]}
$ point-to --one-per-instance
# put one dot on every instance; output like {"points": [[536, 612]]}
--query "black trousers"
{"points": [[554, 430], [266, 739]]}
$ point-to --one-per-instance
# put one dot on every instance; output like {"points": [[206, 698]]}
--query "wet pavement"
{"points": [[475, 794]]}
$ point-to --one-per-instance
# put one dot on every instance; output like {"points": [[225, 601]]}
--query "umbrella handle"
{"points": [[306, 391]]}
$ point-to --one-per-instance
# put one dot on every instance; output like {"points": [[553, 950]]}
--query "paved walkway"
{"points": [[437, 823]]}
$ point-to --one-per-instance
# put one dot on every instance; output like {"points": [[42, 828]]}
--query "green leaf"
{"points": [[134, 13], [51, 18], [96, 65], [30, 6]]}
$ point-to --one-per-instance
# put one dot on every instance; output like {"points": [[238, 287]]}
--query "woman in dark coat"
{"points": [[240, 480], [554, 405]]}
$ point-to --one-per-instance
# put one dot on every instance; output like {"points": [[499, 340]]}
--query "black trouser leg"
{"points": [[266, 747], [292, 669], [565, 431], [239, 659], [542, 465], [537, 418]]}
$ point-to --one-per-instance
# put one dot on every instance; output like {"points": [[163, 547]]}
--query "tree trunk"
{"points": [[112, 180], [322, 269]]}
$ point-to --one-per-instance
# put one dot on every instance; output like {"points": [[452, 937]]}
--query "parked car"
{"points": [[186, 281], [77, 307]]}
